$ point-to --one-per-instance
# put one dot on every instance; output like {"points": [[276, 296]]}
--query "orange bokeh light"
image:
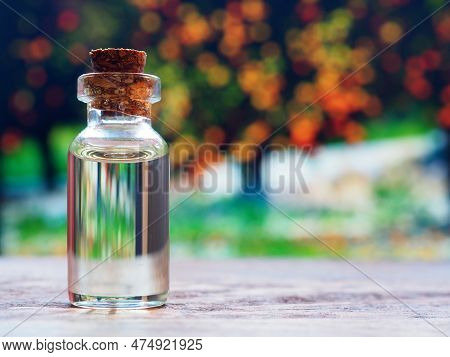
{"points": [[254, 10], [304, 130], [39, 49], [257, 132]]}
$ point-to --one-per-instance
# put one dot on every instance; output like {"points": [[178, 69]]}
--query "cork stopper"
{"points": [[118, 60], [118, 83]]}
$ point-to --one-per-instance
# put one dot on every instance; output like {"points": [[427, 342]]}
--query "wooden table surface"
{"points": [[248, 297]]}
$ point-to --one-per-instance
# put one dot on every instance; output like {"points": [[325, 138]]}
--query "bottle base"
{"points": [[111, 302]]}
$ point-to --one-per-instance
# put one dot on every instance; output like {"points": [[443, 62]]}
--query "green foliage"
{"points": [[396, 124], [23, 164], [60, 138]]}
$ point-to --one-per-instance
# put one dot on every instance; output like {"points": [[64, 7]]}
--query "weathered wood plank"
{"points": [[254, 297]]}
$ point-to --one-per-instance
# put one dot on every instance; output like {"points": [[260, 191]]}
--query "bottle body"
{"points": [[118, 224]]}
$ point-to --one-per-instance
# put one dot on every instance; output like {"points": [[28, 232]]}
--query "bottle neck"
{"points": [[97, 117], [128, 94]]}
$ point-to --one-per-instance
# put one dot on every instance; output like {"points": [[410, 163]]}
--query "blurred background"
{"points": [[345, 79]]}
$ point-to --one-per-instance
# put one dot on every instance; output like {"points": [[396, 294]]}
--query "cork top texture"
{"points": [[118, 60]]}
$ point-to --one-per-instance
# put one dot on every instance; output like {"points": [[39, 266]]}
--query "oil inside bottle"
{"points": [[118, 230]]}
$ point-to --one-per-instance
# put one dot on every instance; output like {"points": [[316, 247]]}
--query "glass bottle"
{"points": [[118, 182]]}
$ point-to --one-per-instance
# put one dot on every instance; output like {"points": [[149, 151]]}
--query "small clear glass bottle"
{"points": [[118, 182]]}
